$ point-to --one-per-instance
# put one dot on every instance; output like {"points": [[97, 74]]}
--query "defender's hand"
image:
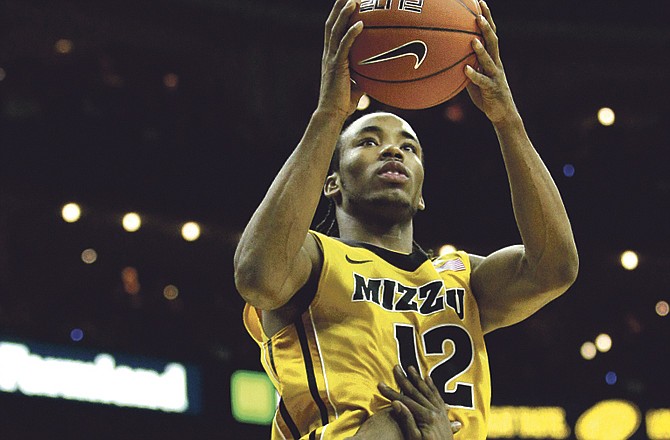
{"points": [[488, 89], [420, 410], [338, 93]]}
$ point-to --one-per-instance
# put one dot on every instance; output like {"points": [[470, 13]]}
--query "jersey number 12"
{"points": [[448, 369]]}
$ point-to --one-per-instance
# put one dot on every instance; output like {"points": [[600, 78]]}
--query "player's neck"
{"points": [[397, 237]]}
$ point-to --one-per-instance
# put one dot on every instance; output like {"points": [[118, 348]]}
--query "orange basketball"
{"points": [[412, 53]]}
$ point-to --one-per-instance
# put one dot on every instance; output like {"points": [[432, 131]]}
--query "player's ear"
{"points": [[331, 189], [422, 204]]}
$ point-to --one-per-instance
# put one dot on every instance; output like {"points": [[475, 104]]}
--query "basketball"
{"points": [[411, 54]]}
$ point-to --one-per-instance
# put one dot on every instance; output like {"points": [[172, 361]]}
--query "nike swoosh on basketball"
{"points": [[357, 261], [416, 48]]}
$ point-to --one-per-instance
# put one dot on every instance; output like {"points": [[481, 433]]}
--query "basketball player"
{"points": [[333, 314]]}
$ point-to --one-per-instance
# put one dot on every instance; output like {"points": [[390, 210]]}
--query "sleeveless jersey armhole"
{"points": [[468, 263], [251, 317], [315, 280]]}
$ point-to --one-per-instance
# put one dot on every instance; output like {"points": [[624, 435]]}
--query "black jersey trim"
{"points": [[309, 369], [288, 420], [407, 262], [312, 435], [272, 358]]}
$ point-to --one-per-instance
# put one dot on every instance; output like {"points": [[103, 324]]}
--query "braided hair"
{"points": [[328, 225]]}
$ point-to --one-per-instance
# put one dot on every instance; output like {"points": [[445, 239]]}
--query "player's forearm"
{"points": [[543, 223], [273, 238], [380, 425]]}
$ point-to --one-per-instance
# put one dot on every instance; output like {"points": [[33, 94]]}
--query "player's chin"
{"points": [[396, 206]]}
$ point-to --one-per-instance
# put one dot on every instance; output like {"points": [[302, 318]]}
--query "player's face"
{"points": [[381, 167]]}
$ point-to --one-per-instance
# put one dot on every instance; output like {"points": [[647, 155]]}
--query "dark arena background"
{"points": [[184, 110]]}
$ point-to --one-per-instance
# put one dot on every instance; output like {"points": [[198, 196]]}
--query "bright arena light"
{"points": [[454, 113], [603, 343], [89, 256], [170, 292], [662, 308], [63, 46], [77, 334], [363, 103], [611, 378], [629, 260], [568, 170], [588, 350], [190, 231], [131, 222], [71, 212], [171, 80], [131, 280], [606, 116], [447, 249]]}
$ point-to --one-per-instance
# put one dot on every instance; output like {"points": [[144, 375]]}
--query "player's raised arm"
{"points": [[276, 255], [515, 282]]}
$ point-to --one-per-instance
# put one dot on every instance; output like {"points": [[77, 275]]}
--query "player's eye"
{"points": [[409, 147], [368, 142]]}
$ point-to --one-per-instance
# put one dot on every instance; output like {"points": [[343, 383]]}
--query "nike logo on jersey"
{"points": [[416, 48], [356, 261]]}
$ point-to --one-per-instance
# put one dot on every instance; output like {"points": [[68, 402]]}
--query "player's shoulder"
{"points": [[320, 237], [327, 242], [475, 260]]}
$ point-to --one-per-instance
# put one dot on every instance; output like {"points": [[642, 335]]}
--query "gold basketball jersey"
{"points": [[373, 309]]}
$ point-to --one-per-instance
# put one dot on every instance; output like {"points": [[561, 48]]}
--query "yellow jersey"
{"points": [[374, 308]]}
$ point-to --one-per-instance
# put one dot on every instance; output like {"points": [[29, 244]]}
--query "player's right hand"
{"points": [[419, 410], [338, 93]]}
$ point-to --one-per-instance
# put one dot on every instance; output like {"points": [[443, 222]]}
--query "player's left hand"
{"points": [[419, 410], [488, 88]]}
